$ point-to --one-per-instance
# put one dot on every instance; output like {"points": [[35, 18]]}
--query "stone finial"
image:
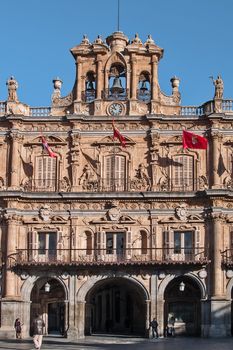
{"points": [[85, 40], [57, 84], [175, 83], [12, 89], [149, 40], [136, 39], [98, 40]]}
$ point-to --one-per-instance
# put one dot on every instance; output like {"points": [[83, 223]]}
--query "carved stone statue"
{"points": [[12, 89], [218, 83]]}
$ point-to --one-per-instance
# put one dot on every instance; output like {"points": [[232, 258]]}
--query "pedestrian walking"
{"points": [[154, 326], [37, 331], [18, 328]]}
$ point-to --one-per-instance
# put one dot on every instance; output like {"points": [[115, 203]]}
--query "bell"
{"points": [[90, 86], [116, 86], [143, 87]]}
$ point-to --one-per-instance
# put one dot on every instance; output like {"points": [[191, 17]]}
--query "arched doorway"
{"points": [[115, 306], [182, 306], [50, 303]]}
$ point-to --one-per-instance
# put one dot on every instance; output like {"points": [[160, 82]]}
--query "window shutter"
{"points": [[60, 246], [128, 243], [98, 242], [46, 172], [32, 244], [183, 172]]}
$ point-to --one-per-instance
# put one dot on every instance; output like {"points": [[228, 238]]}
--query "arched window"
{"points": [[182, 178], [90, 88], [143, 242], [114, 173], [45, 174], [144, 87]]}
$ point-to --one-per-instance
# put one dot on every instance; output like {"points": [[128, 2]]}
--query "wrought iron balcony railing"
{"points": [[107, 256], [227, 257]]}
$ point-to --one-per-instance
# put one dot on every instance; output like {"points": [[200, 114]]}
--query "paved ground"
{"points": [[113, 343]]}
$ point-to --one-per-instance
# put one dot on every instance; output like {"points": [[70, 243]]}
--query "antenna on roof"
{"points": [[118, 16]]}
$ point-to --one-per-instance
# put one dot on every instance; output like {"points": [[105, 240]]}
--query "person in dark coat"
{"points": [[154, 326], [18, 328], [37, 331]]}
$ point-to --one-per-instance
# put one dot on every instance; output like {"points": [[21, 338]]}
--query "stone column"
{"points": [[72, 332], [133, 92], [216, 139], [99, 78], [154, 80], [81, 319], [79, 81], [216, 258], [10, 285], [15, 159], [218, 302], [147, 325]]}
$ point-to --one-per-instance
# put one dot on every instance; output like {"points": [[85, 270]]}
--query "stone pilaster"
{"points": [[216, 139], [15, 159], [10, 285], [147, 325], [72, 332], [99, 77], [217, 302]]}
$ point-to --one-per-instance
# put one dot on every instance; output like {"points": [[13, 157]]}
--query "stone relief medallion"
{"points": [[44, 213], [181, 212], [114, 214]]}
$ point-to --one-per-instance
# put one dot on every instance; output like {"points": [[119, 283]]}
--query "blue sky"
{"points": [[36, 36]]}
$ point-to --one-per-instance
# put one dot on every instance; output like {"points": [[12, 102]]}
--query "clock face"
{"points": [[115, 108]]}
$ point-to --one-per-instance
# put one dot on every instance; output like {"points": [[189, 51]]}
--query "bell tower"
{"points": [[118, 77]]}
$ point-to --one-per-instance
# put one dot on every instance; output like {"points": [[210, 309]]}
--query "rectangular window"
{"points": [[45, 173], [114, 173], [47, 244], [182, 173], [115, 243], [184, 243]]}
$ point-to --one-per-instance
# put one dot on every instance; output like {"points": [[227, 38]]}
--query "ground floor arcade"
{"points": [[74, 305]]}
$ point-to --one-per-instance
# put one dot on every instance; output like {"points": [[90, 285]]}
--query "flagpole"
{"points": [[118, 17]]}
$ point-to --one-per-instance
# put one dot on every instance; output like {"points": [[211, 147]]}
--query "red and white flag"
{"points": [[47, 148], [191, 140], [118, 135]]}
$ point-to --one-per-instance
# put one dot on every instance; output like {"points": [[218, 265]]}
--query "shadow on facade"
{"points": [[115, 306], [50, 304], [182, 308]]}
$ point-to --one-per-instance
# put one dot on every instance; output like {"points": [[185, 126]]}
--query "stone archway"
{"points": [[51, 304], [182, 306], [116, 305]]}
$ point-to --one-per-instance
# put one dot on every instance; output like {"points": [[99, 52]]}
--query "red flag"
{"points": [[118, 135], [191, 140], [48, 149]]}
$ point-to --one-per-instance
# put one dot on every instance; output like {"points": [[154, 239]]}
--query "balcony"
{"points": [[86, 257], [117, 185], [227, 257]]}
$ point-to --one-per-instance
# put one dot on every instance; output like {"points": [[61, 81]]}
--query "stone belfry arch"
{"points": [[118, 72]]}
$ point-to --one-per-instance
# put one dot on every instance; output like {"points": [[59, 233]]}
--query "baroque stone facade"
{"points": [[102, 237]]}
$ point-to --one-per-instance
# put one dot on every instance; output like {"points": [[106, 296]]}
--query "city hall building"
{"points": [[101, 234]]}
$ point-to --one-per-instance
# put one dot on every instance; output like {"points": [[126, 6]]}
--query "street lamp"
{"points": [[47, 287], [181, 286]]}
